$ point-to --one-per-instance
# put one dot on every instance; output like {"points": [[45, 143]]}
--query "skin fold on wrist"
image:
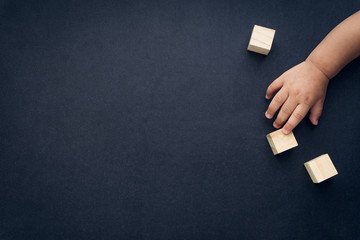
{"points": [[327, 76]]}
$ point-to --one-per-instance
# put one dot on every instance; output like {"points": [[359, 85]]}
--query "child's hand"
{"points": [[302, 88]]}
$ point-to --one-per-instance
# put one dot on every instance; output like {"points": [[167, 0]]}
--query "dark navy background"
{"points": [[145, 120]]}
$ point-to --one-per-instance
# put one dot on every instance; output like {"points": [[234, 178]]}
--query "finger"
{"points": [[316, 111], [274, 86], [276, 103], [295, 118], [285, 112]]}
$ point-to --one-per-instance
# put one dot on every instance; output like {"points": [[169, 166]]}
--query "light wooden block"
{"points": [[261, 40], [280, 142], [321, 168]]}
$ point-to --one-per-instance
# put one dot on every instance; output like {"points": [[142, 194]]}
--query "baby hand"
{"points": [[302, 88]]}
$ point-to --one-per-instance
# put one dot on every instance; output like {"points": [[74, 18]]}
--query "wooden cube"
{"points": [[321, 168], [261, 40], [280, 142]]}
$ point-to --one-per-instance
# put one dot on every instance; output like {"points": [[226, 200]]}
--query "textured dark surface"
{"points": [[145, 120]]}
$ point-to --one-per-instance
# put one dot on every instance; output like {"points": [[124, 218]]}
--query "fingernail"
{"points": [[267, 97], [267, 115], [285, 131], [316, 122], [275, 125]]}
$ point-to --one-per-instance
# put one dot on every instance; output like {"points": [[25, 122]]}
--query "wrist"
{"points": [[318, 67]]}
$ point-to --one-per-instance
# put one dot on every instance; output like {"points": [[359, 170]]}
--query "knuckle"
{"points": [[278, 99], [307, 100], [297, 92], [298, 116], [285, 109]]}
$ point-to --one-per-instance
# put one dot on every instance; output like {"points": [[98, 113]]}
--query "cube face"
{"points": [[261, 40], [321, 168], [280, 142]]}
